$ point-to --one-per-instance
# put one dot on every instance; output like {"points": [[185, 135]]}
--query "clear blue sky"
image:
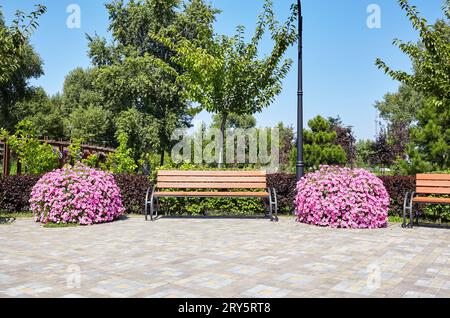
{"points": [[340, 78]]}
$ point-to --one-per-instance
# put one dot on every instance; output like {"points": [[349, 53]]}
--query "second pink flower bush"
{"points": [[76, 195], [342, 198]]}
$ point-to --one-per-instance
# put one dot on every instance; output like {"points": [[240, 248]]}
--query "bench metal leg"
{"points": [[408, 206], [274, 192], [151, 208], [155, 208], [273, 205], [417, 217], [405, 203], [270, 203], [150, 201], [146, 203], [411, 210]]}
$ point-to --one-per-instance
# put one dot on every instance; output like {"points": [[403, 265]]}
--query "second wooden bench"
{"points": [[426, 185], [210, 184]]}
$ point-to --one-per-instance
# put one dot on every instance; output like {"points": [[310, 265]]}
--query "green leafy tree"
{"points": [[225, 75], [364, 153], [429, 148], [135, 71], [14, 45], [18, 63], [17, 89], [142, 136], [235, 121], [399, 111], [287, 147], [400, 107], [92, 124], [79, 91], [43, 111]]}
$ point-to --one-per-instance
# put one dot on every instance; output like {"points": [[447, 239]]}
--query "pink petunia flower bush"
{"points": [[342, 198], [76, 194]]}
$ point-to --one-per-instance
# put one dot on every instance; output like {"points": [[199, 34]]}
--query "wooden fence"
{"points": [[6, 153]]}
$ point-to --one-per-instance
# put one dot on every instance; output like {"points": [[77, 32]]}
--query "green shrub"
{"points": [[36, 157], [74, 151], [92, 161], [212, 206], [122, 160]]}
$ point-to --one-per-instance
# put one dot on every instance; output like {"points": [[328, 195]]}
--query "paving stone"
{"points": [[414, 294], [264, 291], [172, 293], [119, 288], [197, 258], [29, 289]]}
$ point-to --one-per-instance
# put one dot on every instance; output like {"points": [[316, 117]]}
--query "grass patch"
{"points": [[16, 215], [395, 219], [7, 218], [58, 225]]}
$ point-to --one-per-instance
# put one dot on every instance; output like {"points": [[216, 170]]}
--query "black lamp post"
{"points": [[300, 164]]}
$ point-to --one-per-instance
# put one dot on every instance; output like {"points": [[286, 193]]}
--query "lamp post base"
{"points": [[300, 170]]}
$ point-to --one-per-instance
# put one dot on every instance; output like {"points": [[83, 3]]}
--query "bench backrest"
{"points": [[433, 183], [211, 179]]}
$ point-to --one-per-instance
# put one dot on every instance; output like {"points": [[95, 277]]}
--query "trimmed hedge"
{"points": [[397, 186], [132, 190], [15, 193], [285, 185]]}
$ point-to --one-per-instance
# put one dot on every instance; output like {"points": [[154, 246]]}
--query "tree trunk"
{"points": [[18, 167], [223, 127], [162, 157]]}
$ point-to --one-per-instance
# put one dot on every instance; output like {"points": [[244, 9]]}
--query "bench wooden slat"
{"points": [[431, 200], [217, 173], [212, 194], [442, 177], [433, 183], [203, 179], [224, 185], [432, 190]]}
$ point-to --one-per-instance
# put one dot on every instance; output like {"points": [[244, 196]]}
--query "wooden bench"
{"points": [[210, 184], [426, 184]]}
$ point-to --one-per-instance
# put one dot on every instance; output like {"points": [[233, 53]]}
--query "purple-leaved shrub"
{"points": [[342, 198], [76, 194]]}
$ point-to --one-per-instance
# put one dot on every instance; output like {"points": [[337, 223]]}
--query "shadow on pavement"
{"points": [[4, 220]]}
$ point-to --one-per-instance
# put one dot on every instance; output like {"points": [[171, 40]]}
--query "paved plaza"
{"points": [[195, 258]]}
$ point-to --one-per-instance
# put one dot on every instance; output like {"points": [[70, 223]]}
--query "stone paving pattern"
{"points": [[194, 258]]}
